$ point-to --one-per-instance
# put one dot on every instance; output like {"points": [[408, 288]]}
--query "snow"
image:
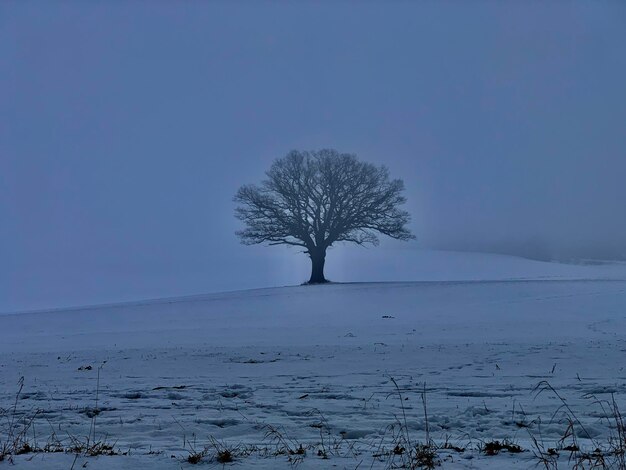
{"points": [[317, 362]]}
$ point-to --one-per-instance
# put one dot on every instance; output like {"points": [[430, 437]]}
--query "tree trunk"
{"points": [[318, 258]]}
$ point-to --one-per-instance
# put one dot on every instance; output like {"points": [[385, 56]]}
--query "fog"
{"points": [[127, 127]]}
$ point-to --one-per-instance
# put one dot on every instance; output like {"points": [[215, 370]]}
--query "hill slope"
{"points": [[316, 362]]}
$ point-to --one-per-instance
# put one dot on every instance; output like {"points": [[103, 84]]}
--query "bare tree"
{"points": [[314, 199]]}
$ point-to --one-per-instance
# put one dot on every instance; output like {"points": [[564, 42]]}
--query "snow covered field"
{"points": [[261, 372]]}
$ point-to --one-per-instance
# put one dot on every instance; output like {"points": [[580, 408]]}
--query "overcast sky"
{"points": [[126, 128]]}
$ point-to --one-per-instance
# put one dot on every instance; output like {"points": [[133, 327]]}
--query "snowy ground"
{"points": [[316, 363]]}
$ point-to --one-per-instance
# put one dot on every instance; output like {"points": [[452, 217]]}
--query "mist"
{"points": [[126, 129]]}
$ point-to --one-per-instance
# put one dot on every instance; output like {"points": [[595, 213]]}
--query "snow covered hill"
{"points": [[261, 372]]}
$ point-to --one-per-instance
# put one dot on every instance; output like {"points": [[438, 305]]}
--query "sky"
{"points": [[127, 127]]}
